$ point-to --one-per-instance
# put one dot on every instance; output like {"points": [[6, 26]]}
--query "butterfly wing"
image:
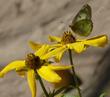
{"points": [[82, 23], [83, 27]]}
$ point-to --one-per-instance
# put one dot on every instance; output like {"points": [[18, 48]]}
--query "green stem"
{"points": [[42, 84], [74, 74]]}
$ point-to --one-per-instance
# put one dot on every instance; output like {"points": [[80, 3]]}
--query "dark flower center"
{"points": [[32, 61], [68, 38]]}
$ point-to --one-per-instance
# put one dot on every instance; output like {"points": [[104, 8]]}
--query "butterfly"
{"points": [[82, 23]]}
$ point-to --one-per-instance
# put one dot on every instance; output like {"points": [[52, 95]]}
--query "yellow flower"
{"points": [[32, 63], [67, 79], [68, 41]]}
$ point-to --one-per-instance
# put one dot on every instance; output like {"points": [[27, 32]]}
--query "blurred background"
{"points": [[24, 20]]}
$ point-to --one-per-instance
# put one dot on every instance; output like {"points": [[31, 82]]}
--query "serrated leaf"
{"points": [[83, 27]]}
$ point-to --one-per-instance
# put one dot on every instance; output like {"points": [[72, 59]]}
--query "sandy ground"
{"points": [[24, 20]]}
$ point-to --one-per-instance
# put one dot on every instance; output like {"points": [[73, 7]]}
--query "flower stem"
{"points": [[42, 84], [74, 74]]}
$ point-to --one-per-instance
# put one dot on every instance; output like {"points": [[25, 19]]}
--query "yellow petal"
{"points": [[43, 50], [54, 52], [31, 81], [98, 41], [21, 72], [56, 45], [67, 79], [59, 55], [34, 46], [54, 39], [78, 47], [13, 65], [46, 73], [59, 67]]}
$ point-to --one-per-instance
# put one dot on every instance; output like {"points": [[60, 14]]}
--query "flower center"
{"points": [[68, 38], [33, 61]]}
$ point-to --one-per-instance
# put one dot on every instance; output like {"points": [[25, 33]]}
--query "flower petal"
{"points": [[13, 65], [56, 45], [78, 47], [21, 72], [67, 79], [59, 67], [46, 73], [43, 50], [54, 52], [31, 81], [98, 41], [54, 39], [34, 46], [59, 55]]}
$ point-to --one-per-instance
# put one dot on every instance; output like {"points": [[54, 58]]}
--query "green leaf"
{"points": [[83, 27], [103, 95], [82, 23]]}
